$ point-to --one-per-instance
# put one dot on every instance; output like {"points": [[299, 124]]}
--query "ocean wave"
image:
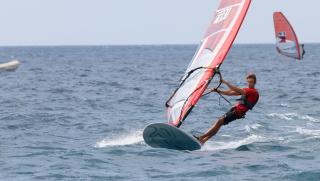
{"points": [[308, 132], [251, 127], [214, 146], [293, 116], [284, 105], [121, 140], [303, 175]]}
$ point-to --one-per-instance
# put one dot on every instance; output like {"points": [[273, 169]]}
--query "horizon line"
{"points": [[142, 44]]}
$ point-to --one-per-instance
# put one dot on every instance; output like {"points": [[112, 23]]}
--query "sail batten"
{"points": [[211, 53]]}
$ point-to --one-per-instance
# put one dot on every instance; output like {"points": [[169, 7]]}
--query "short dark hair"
{"points": [[252, 76]]}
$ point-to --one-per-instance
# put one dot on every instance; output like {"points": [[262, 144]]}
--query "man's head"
{"points": [[251, 80]]}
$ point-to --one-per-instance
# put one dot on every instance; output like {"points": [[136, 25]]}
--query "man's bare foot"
{"points": [[202, 140], [199, 138]]}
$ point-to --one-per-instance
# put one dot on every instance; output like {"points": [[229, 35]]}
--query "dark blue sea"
{"points": [[77, 113]]}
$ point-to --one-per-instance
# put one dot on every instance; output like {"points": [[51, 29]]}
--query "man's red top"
{"points": [[252, 97]]}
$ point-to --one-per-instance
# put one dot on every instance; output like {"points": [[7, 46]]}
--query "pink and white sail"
{"points": [[212, 51], [286, 39]]}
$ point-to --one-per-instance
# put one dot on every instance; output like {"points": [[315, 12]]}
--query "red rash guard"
{"points": [[252, 96]]}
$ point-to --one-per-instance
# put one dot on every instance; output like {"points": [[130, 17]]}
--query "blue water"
{"points": [[77, 113]]}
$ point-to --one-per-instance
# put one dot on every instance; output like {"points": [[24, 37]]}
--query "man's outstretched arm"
{"points": [[226, 92], [234, 88]]}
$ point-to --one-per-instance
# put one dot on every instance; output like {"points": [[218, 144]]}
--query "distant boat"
{"points": [[9, 66], [287, 41]]}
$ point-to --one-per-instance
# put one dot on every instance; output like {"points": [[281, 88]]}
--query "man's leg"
{"points": [[212, 131]]}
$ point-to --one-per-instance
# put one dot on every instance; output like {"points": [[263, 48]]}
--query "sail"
{"points": [[212, 51], [286, 40]]}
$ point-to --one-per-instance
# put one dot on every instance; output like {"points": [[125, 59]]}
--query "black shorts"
{"points": [[230, 116]]}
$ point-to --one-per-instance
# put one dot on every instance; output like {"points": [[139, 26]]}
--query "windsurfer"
{"points": [[249, 97], [303, 50], [282, 37]]}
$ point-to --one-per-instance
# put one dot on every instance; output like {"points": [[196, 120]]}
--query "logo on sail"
{"points": [[222, 14]]}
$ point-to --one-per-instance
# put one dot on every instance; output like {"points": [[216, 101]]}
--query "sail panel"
{"points": [[211, 53]]}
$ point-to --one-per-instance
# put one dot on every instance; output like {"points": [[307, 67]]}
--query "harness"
{"points": [[244, 101]]}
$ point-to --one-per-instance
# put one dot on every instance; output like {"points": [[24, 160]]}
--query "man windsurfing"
{"points": [[249, 98], [303, 50], [282, 37]]}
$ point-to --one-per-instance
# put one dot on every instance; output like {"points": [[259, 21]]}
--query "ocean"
{"points": [[77, 113]]}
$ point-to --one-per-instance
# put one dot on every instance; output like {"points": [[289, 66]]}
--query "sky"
{"points": [[127, 22]]}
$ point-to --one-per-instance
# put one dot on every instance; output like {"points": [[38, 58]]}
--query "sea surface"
{"points": [[77, 113]]}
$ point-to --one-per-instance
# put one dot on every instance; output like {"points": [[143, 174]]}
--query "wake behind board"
{"points": [[162, 135]]}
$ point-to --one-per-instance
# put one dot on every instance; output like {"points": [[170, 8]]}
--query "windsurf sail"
{"points": [[286, 39], [205, 64]]}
